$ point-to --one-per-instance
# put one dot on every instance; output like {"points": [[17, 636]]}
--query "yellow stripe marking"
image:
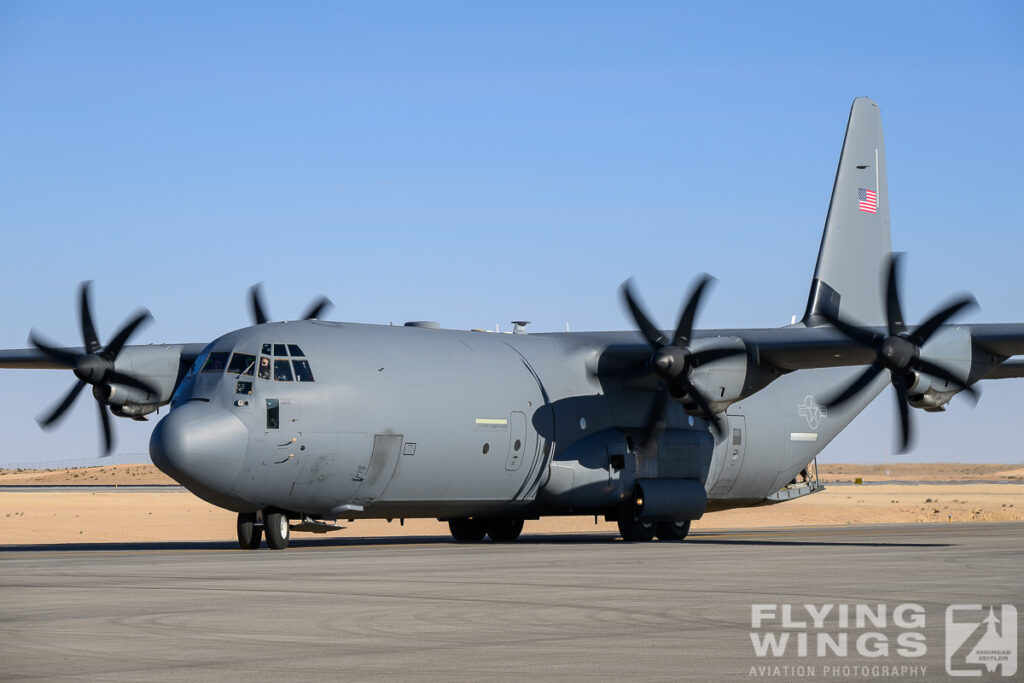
{"points": [[491, 421]]}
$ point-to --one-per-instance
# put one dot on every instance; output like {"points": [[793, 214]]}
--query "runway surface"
{"points": [[548, 607]]}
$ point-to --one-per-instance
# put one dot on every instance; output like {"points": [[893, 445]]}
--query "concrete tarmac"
{"points": [[580, 607]]}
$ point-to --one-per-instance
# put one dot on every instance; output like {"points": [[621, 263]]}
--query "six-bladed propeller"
{"points": [[94, 367], [258, 310], [673, 361], [899, 351]]}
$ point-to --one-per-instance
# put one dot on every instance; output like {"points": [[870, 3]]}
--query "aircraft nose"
{"points": [[202, 447]]}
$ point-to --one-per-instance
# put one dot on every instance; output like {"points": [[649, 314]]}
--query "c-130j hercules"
{"points": [[294, 425]]}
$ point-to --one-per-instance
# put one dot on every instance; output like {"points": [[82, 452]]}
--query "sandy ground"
{"points": [[45, 517]]}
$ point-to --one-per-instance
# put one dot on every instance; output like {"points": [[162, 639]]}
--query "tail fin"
{"points": [[856, 241]]}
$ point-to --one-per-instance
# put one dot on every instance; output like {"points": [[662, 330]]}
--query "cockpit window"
{"points": [[242, 364], [302, 371], [216, 362], [282, 370], [279, 367]]}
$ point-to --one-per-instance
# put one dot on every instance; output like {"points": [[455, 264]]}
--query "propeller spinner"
{"points": [[673, 361], [899, 351], [94, 367]]}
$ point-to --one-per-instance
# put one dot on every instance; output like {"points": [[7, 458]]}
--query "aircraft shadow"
{"points": [[525, 540]]}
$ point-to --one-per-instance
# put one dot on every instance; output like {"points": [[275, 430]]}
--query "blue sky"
{"points": [[482, 162]]}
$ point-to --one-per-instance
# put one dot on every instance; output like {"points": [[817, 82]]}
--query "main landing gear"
{"points": [[251, 528], [633, 530], [473, 529]]}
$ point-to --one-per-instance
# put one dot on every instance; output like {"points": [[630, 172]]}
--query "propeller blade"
{"points": [[855, 387], [647, 328], [655, 418], [57, 355], [862, 337], [942, 373], [115, 377], [684, 330], [926, 329], [316, 308], [60, 409], [89, 338], [117, 343], [903, 407], [108, 432], [711, 355], [705, 407], [256, 305], [893, 312]]}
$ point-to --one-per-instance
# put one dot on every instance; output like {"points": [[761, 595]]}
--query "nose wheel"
{"points": [[276, 526], [250, 532]]}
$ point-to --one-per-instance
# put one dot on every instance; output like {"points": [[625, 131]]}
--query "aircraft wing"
{"points": [[806, 348], [32, 359]]}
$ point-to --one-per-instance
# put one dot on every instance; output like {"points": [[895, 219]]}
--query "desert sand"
{"points": [[124, 514]]}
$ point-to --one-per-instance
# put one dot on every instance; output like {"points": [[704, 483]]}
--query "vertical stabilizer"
{"points": [[848, 279]]}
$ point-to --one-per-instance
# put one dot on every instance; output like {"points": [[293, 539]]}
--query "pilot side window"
{"points": [[273, 414], [216, 362], [264, 371], [282, 370], [242, 364]]}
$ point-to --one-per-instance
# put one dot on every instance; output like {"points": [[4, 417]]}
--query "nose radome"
{"points": [[202, 447]]}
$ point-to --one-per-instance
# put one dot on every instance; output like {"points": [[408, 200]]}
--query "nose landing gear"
{"points": [[251, 529], [276, 525]]}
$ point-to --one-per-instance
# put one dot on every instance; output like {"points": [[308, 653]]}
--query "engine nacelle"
{"points": [[158, 366], [728, 380], [951, 348]]}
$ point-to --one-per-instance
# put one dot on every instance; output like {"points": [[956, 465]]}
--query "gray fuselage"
{"points": [[418, 422]]}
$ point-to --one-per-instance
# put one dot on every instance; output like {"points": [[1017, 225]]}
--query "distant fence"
{"points": [[116, 459]]}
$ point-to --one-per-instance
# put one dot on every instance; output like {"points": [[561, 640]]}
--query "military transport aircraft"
{"points": [[296, 425]]}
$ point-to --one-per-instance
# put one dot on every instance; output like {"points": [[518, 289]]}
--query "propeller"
{"points": [[94, 367], [672, 361], [899, 351], [258, 310]]}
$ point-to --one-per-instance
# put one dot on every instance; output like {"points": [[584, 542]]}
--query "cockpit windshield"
{"points": [[276, 362]]}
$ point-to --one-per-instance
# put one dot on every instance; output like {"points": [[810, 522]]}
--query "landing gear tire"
{"points": [[468, 529], [504, 529], [249, 534], [673, 531], [276, 525], [632, 529]]}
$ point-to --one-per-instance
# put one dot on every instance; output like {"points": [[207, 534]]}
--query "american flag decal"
{"points": [[868, 200]]}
